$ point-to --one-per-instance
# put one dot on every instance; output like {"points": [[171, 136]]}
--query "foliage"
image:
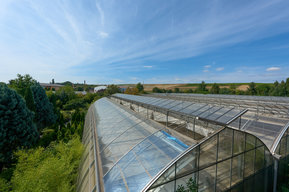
{"points": [[191, 186], [28, 96], [140, 87], [262, 89], [43, 108], [21, 83], [252, 89], [215, 89], [158, 90], [112, 89], [202, 87], [4, 185], [132, 91], [75, 104], [16, 124], [176, 90], [50, 169], [64, 94]]}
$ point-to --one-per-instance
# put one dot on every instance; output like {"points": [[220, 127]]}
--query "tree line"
{"points": [[260, 89], [40, 134]]}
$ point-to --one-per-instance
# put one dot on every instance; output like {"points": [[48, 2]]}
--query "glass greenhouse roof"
{"points": [[218, 114], [239, 97], [132, 149], [266, 119]]}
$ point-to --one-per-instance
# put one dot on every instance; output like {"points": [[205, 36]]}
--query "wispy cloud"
{"points": [[67, 38], [220, 69], [103, 34], [273, 69]]}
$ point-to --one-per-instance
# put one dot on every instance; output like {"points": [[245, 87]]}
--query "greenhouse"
{"points": [[161, 142]]}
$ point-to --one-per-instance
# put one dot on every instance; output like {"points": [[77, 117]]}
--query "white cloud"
{"points": [[103, 34], [207, 66], [220, 69], [273, 69], [148, 66], [206, 70]]}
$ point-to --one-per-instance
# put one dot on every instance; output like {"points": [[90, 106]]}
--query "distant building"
{"points": [[99, 88], [51, 86]]}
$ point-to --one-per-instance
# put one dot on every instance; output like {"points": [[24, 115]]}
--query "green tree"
{"points": [[140, 87], [252, 89], [51, 169], [64, 94], [176, 90], [21, 83], [112, 89], [131, 91], [28, 96], [191, 186], [16, 124], [43, 108], [287, 86], [233, 89], [157, 90], [202, 87], [75, 104], [215, 89], [225, 91], [4, 185], [263, 89]]}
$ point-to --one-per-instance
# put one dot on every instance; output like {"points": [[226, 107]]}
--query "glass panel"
{"points": [[250, 142], [283, 146], [167, 176], [201, 110], [225, 144], [223, 175], [237, 169], [208, 151], [181, 106], [209, 112], [187, 182], [260, 160], [258, 143], [259, 183], [287, 145], [278, 149], [166, 187], [268, 158], [249, 163], [228, 116], [192, 108], [249, 184], [239, 142], [188, 163], [172, 104], [207, 179], [218, 113]]}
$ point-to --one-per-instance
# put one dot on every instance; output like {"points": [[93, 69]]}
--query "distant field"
{"points": [[149, 87]]}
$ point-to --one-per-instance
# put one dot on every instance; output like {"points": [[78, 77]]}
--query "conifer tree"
{"points": [[44, 114], [16, 124]]}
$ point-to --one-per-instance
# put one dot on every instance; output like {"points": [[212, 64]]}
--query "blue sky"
{"points": [[150, 41]]}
